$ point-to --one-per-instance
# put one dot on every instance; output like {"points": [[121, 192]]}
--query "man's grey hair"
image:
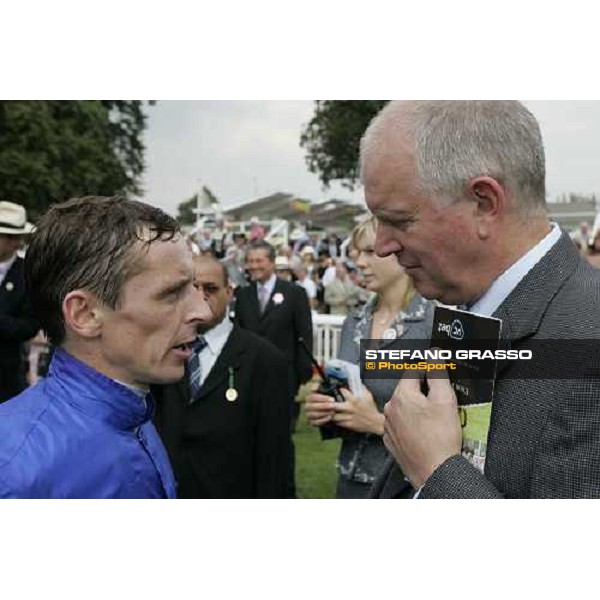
{"points": [[456, 141]]}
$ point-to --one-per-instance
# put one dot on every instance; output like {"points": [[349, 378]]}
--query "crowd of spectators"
{"points": [[325, 267]]}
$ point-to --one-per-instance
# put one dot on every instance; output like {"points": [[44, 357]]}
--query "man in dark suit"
{"points": [[225, 425], [459, 191], [17, 324], [278, 311]]}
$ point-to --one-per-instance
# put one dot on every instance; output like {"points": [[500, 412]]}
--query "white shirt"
{"points": [[269, 285], [140, 392], [310, 286], [216, 338], [5, 266], [328, 276], [510, 279]]}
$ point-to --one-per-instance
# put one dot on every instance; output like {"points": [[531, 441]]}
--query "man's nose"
{"points": [[200, 310], [385, 242]]}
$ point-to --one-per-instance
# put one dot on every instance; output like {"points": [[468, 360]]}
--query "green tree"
{"points": [[185, 210], [331, 138], [54, 150]]}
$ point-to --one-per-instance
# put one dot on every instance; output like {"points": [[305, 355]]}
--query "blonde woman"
{"points": [[395, 311]]}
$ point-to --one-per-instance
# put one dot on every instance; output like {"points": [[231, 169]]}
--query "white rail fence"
{"points": [[327, 330]]}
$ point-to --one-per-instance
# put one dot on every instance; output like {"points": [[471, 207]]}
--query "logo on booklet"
{"points": [[455, 330]]}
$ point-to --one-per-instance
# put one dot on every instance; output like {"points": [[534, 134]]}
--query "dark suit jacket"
{"points": [[544, 439], [222, 449], [282, 324], [17, 325]]}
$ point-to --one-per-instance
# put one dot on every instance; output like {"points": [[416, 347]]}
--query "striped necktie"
{"points": [[195, 368]]}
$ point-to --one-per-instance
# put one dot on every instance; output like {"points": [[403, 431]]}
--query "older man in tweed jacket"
{"points": [[458, 188]]}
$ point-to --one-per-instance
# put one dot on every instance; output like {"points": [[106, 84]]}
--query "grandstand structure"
{"points": [[335, 216]]}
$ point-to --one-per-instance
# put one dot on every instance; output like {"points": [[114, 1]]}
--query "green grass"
{"points": [[478, 422], [316, 475]]}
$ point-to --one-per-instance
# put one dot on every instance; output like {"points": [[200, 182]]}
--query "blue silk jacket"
{"points": [[79, 434]]}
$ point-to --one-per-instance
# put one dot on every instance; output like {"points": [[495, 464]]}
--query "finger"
{"points": [[440, 388], [367, 395], [320, 397], [347, 394], [410, 383], [344, 422], [318, 414], [321, 421], [387, 408], [319, 400], [343, 407], [315, 418], [436, 371], [342, 418]]}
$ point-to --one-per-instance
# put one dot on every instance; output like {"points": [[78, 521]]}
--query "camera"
{"points": [[334, 381]]}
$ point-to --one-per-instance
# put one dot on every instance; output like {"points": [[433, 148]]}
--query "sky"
{"points": [[243, 150]]}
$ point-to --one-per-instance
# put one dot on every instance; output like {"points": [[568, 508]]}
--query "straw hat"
{"points": [[13, 219], [281, 263]]}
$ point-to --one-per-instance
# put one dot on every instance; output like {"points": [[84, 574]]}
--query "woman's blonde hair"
{"points": [[368, 227]]}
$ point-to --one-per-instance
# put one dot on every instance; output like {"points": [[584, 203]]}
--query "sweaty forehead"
{"points": [[164, 257]]}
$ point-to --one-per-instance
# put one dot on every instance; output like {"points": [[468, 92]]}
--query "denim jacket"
{"points": [[362, 456]]}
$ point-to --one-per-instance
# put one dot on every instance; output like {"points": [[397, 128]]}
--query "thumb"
{"points": [[410, 382], [440, 388], [436, 373]]}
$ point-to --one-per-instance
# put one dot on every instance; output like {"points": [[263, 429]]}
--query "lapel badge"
{"points": [[389, 334], [10, 286], [277, 298], [231, 393]]}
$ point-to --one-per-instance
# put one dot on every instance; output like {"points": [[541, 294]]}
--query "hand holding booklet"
{"points": [[473, 379]]}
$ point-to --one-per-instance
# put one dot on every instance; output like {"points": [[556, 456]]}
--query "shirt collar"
{"points": [[269, 284], [508, 281], [217, 336], [96, 394], [6, 265]]}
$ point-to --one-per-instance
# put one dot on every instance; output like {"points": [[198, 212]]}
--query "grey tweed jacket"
{"points": [[544, 439]]}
